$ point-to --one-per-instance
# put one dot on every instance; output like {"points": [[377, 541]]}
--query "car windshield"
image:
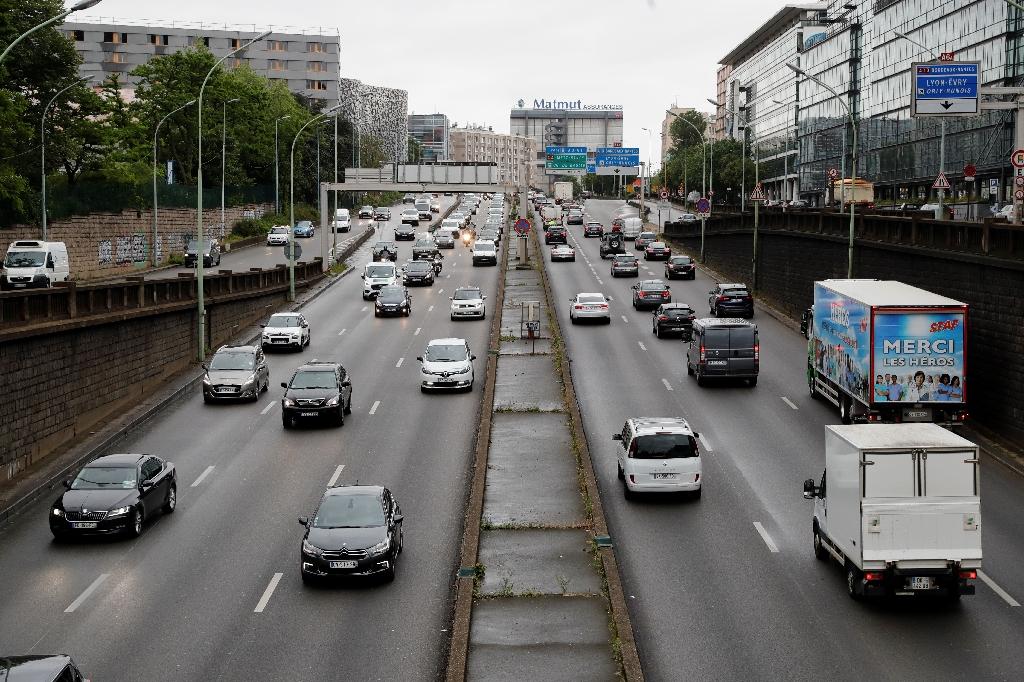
{"points": [[279, 230], [25, 259], [349, 511], [484, 248], [646, 235], [232, 361], [652, 286], [391, 295], [467, 294], [625, 258], [681, 260], [677, 312], [409, 211], [314, 379], [445, 353], [304, 223], [100, 478], [735, 292], [284, 321], [590, 298], [192, 244], [380, 271], [664, 446], [418, 266], [424, 242], [657, 245]]}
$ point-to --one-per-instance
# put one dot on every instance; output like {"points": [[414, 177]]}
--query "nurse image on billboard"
{"points": [[919, 357], [842, 343]]}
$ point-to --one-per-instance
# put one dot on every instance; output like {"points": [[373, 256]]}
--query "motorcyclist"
{"points": [[438, 263]]}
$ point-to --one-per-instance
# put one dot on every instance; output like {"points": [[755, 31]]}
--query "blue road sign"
{"points": [[634, 151], [703, 207], [565, 150], [624, 160], [591, 168], [945, 89]]}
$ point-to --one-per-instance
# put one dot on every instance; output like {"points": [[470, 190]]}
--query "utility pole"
{"points": [[335, 214]]}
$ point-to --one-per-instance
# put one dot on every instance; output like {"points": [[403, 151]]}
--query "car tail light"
{"points": [[662, 317], [757, 351], [874, 417], [696, 477], [873, 576], [632, 478], [968, 574], [665, 294], [703, 355], [640, 294], [603, 306], [578, 306], [723, 298], [632, 449]]}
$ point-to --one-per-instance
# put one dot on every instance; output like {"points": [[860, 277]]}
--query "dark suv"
{"points": [[732, 300], [723, 348], [556, 235], [680, 266], [318, 390], [673, 318], [611, 244]]}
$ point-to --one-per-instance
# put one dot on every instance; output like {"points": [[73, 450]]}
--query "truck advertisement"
{"points": [[842, 343], [919, 356]]}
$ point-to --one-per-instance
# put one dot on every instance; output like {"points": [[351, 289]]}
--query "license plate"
{"points": [[920, 583], [83, 524], [911, 415], [19, 285], [664, 477], [718, 362], [343, 564], [446, 381], [308, 414]]}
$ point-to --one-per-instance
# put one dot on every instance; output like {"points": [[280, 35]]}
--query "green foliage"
{"points": [[683, 132], [415, 150], [250, 227]]}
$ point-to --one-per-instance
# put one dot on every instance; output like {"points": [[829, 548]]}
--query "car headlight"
{"points": [[380, 548], [248, 382], [289, 402], [312, 550], [333, 402], [464, 370], [206, 380], [120, 511], [57, 511]]}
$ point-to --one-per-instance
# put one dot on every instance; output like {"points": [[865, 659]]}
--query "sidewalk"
{"points": [[540, 609]]}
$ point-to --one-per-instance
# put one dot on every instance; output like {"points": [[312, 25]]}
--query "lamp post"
{"points": [[224, 157], [643, 188], [711, 168], [853, 176], [703, 176], [42, 141], [200, 293], [155, 134], [82, 4], [277, 191], [291, 219]]}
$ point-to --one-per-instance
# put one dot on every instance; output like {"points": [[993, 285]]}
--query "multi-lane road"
{"points": [[214, 591], [727, 587]]}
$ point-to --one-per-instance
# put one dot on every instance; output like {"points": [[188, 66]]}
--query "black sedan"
{"points": [[114, 495], [680, 266], [405, 232], [319, 390], [650, 293], [355, 531], [418, 272], [556, 235], [657, 251], [673, 319], [393, 301]]}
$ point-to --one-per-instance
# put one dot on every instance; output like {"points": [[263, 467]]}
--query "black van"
{"points": [[726, 348]]}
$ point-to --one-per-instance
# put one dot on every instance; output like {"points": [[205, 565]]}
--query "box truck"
{"points": [[32, 263], [563, 192], [898, 507], [884, 351]]}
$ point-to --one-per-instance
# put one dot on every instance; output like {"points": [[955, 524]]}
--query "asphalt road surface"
{"points": [[709, 597], [182, 601]]}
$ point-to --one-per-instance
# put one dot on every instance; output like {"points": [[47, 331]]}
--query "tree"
{"points": [[415, 150], [684, 135], [371, 151]]}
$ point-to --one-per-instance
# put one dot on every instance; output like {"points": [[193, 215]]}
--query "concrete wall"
{"points": [[111, 244], [789, 263]]}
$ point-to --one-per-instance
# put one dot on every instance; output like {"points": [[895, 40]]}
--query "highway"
{"points": [[727, 587], [214, 591]]}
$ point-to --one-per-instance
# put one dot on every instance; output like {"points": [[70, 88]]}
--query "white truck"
{"points": [[563, 192], [33, 264], [899, 508]]}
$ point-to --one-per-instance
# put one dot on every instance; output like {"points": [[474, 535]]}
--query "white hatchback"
{"points": [[446, 364], [658, 455], [468, 302], [277, 236], [285, 330]]}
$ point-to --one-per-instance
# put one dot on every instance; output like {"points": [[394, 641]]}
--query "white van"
{"points": [[377, 275], [31, 263], [342, 220], [423, 206], [631, 228]]}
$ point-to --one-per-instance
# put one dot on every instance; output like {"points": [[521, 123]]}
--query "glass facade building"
{"points": [[431, 131]]}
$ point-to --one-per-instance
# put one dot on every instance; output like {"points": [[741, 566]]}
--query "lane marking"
{"points": [[202, 476], [399, 363], [373, 409], [767, 538], [268, 408], [668, 386], [365, 308], [85, 595], [998, 590], [789, 402], [342, 332], [642, 346], [417, 332], [267, 593], [430, 309], [599, 280], [448, 276], [707, 446], [625, 319], [337, 474], [440, 291]]}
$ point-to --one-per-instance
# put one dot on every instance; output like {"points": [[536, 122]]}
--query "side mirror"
{"points": [[667, 286], [420, 358], [810, 491], [304, 520], [451, 298], [616, 436], [346, 383], [399, 518], [284, 384], [472, 357], [146, 485], [67, 483], [483, 298], [696, 435]]}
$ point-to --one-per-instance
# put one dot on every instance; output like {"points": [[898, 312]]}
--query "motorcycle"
{"points": [[438, 262]]}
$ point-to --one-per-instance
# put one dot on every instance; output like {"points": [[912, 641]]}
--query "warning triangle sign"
{"points": [[758, 193], [941, 182]]}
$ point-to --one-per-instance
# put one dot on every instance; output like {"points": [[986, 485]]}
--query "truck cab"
{"points": [[34, 264]]}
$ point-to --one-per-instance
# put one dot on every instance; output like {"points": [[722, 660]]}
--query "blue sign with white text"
{"points": [[635, 151], [607, 160], [591, 168], [565, 150], [946, 81]]}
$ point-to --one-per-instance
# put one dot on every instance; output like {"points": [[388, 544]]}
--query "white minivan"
{"points": [[658, 455], [342, 220], [377, 275], [631, 228], [33, 264]]}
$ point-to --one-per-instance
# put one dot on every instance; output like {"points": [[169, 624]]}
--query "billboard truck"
{"points": [[885, 351]]}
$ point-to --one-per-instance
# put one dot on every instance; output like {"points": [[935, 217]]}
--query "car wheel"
{"points": [[820, 552], [619, 472], [452, 316], [340, 417], [376, 313], [852, 576], [626, 492], [689, 368], [700, 379], [389, 573], [309, 339], [572, 319], [752, 382], [286, 422], [307, 579], [206, 399], [172, 499], [348, 405], [654, 330], [423, 389], [696, 493], [134, 528], [483, 315], [608, 320]]}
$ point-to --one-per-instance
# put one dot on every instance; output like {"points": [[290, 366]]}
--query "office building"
{"points": [[380, 112], [514, 154], [431, 131], [667, 141], [307, 62]]}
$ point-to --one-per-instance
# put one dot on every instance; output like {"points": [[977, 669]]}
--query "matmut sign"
{"points": [[570, 105]]}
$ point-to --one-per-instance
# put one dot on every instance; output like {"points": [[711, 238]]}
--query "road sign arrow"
{"points": [[946, 105]]}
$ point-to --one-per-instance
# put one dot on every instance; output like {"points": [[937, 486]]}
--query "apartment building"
{"points": [[514, 154]]}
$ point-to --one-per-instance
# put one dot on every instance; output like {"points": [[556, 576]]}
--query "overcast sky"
{"points": [[473, 59]]}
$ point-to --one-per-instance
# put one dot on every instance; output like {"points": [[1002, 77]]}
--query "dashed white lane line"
{"points": [[85, 595], [642, 346], [599, 281], [365, 308], [202, 476], [417, 332], [336, 476], [668, 386], [399, 363], [772, 547], [998, 590], [440, 291], [267, 593], [789, 402], [345, 330], [447, 276], [373, 408], [430, 309], [625, 319], [268, 408]]}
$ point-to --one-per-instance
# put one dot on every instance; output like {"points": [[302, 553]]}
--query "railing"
{"points": [[23, 310]]}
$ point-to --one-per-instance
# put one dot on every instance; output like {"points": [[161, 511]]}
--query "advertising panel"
{"points": [[919, 356], [842, 341]]}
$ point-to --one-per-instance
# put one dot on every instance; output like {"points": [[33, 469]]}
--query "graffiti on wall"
{"points": [[106, 253]]}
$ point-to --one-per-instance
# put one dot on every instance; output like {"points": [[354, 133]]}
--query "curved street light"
{"points": [[703, 175], [42, 140], [82, 4], [277, 190], [155, 133]]}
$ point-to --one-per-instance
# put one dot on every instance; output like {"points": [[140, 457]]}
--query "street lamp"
{"points": [[291, 219], [155, 133], [277, 191], [853, 176], [703, 176], [224, 157], [200, 293], [42, 139], [82, 4], [711, 167], [643, 189]]}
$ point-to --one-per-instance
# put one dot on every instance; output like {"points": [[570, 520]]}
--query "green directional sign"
{"points": [[567, 161]]}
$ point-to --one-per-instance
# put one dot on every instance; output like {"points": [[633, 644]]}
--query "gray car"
{"points": [[625, 264], [236, 373]]}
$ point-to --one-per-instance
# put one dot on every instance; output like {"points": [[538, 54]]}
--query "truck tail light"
{"points": [[874, 417], [969, 574], [873, 576]]}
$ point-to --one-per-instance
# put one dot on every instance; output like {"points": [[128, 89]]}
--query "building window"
{"points": [[236, 43], [155, 39], [239, 61], [116, 58], [278, 65], [316, 67], [77, 36], [316, 85], [314, 47], [116, 38], [276, 45], [195, 40]]}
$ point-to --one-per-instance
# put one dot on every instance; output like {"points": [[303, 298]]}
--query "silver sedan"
{"points": [[589, 306]]}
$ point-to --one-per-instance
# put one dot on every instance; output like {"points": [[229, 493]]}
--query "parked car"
{"points": [[673, 319], [236, 373], [722, 349], [732, 300], [682, 267], [650, 293], [320, 390]]}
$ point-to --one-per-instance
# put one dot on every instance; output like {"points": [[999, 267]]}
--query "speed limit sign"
{"points": [[664, 194]]}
